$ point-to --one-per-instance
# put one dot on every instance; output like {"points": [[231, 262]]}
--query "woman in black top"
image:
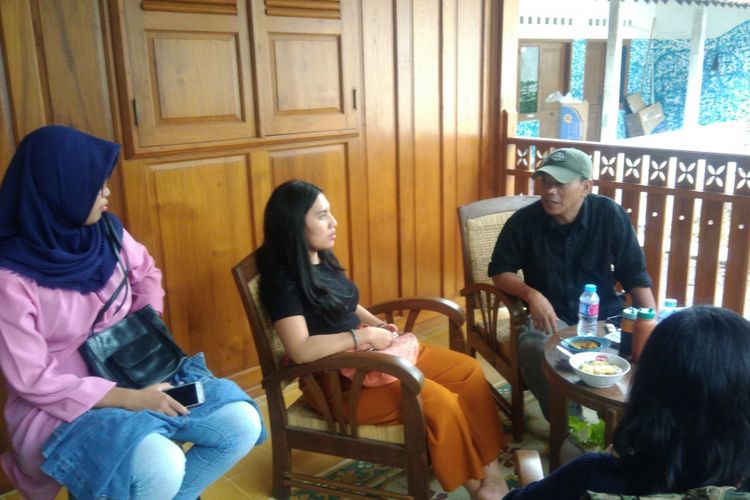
{"points": [[315, 309]]}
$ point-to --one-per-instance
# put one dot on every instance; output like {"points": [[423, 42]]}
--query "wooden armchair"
{"points": [[493, 317], [296, 426]]}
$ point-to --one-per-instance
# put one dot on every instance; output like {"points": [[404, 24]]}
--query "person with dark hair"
{"points": [[58, 269], [686, 423], [316, 312], [568, 238]]}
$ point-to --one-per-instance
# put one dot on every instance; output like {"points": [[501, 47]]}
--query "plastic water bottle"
{"points": [[670, 306], [588, 311]]}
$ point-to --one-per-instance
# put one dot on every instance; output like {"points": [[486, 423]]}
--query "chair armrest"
{"points": [[409, 375], [528, 466], [515, 306], [336, 398], [413, 306], [453, 311]]}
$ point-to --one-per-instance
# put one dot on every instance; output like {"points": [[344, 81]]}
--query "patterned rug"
{"points": [[390, 479]]}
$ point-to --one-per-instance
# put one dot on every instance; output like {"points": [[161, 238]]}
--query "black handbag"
{"points": [[138, 350]]}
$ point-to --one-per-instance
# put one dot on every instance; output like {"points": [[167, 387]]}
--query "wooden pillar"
{"points": [[508, 87], [695, 70], [612, 70]]}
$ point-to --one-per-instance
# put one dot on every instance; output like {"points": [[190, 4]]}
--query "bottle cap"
{"points": [[670, 302], [589, 287], [646, 313], [629, 313]]}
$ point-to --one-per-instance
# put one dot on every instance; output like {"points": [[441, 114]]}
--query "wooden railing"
{"points": [[691, 211]]}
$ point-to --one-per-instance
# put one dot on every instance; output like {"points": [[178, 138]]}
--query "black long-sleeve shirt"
{"points": [[599, 247]]}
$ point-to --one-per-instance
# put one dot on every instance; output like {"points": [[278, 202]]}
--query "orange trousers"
{"points": [[464, 432]]}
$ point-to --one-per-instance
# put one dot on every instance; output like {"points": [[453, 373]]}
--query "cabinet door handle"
{"points": [[135, 112], [354, 98]]}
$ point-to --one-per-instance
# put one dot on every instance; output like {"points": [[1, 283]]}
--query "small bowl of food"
{"points": [[581, 344], [599, 369]]}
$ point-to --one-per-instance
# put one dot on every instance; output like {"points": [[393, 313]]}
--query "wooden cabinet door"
{"points": [[306, 60], [187, 75], [195, 218], [552, 75]]}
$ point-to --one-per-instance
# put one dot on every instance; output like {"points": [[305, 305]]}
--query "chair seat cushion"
{"points": [[503, 325], [300, 415]]}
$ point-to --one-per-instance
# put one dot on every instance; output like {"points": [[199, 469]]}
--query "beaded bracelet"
{"points": [[354, 338]]}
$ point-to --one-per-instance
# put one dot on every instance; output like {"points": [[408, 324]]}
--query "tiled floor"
{"points": [[251, 477]]}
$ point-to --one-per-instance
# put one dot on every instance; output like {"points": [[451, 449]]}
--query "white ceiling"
{"points": [[587, 19]]}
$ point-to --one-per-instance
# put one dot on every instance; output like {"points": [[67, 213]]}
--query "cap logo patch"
{"points": [[558, 156]]}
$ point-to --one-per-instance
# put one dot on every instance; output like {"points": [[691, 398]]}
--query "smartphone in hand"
{"points": [[188, 395]]}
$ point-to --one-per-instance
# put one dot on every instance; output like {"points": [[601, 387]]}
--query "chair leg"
{"points": [[419, 480], [282, 463], [516, 410]]}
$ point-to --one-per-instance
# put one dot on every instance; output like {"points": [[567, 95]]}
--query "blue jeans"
{"points": [[93, 455], [531, 356], [162, 471]]}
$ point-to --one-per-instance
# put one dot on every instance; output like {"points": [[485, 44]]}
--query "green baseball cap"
{"points": [[566, 165]]}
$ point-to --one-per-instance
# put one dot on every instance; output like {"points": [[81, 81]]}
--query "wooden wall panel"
{"points": [[26, 74], [381, 148], [363, 273], [470, 91], [405, 136], [450, 140], [7, 138], [57, 72], [424, 85], [75, 65], [462, 87], [504, 56], [427, 187]]}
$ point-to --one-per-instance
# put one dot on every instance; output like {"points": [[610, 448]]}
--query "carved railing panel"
{"points": [[691, 211]]}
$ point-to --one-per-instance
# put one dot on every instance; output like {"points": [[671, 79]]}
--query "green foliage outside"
{"points": [[588, 436]]}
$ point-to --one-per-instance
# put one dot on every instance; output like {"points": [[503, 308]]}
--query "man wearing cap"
{"points": [[567, 239]]}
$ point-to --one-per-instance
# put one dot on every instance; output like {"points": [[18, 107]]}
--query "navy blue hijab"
{"points": [[46, 196]]}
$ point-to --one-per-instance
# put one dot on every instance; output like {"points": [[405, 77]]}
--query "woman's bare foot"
{"points": [[492, 489], [472, 486], [493, 486]]}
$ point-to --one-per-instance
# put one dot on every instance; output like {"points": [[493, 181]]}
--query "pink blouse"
{"points": [[48, 382]]}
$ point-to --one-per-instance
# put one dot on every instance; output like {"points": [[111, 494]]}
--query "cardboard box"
{"points": [[573, 121], [635, 102], [644, 121]]}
